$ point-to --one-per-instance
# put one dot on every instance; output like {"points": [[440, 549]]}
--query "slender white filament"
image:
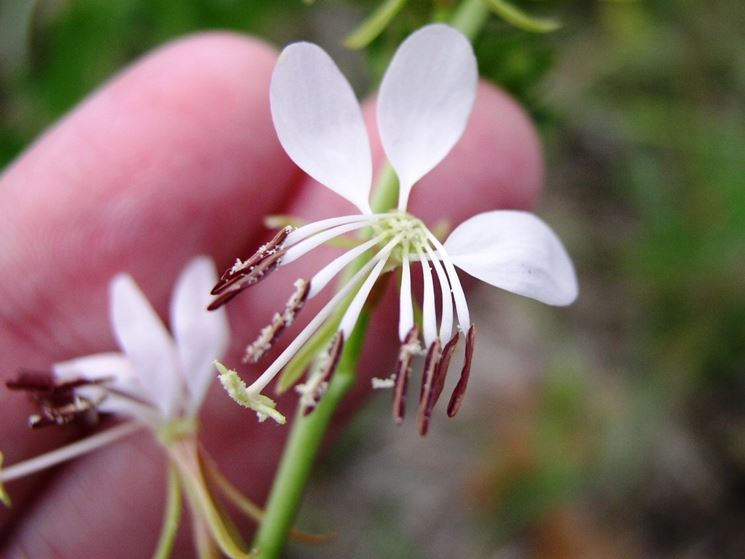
{"points": [[68, 452], [446, 321], [121, 403], [266, 377], [349, 320], [429, 317], [406, 309], [312, 228], [305, 246], [461, 306], [326, 274]]}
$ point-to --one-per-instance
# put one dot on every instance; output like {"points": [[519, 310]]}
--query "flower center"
{"points": [[409, 227], [176, 429]]}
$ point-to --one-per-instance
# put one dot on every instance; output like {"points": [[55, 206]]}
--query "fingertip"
{"points": [[175, 156]]}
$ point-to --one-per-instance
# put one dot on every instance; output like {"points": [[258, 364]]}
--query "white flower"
{"points": [[156, 378], [158, 381], [425, 99]]}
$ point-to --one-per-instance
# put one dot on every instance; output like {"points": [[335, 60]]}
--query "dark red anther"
{"points": [[442, 368], [403, 370], [218, 302], [245, 278], [332, 362], [58, 402], [428, 377], [32, 381], [44, 382], [238, 277], [456, 399]]}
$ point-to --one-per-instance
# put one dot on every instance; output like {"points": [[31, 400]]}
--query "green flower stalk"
{"points": [[468, 17]]}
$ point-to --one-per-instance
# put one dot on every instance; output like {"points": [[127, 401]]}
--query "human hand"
{"points": [[177, 157]]}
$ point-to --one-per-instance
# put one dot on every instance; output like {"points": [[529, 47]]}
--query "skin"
{"points": [[177, 156]]}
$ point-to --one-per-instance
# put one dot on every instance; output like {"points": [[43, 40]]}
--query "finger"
{"points": [[498, 158], [175, 157]]}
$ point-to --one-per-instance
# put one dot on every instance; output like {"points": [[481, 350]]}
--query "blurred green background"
{"points": [[612, 429]]}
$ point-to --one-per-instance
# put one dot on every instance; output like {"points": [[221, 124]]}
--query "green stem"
{"points": [[470, 17], [305, 439], [307, 432], [172, 516], [204, 508]]}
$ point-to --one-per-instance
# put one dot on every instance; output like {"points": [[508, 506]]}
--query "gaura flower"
{"points": [[425, 99], [157, 380]]}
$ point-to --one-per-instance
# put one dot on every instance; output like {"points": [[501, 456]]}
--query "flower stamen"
{"points": [[349, 320], [429, 318], [311, 229], [409, 348], [59, 402], [280, 322], [328, 272], [428, 378], [456, 399], [442, 368], [316, 386], [308, 244], [245, 274], [406, 308], [459, 297], [446, 320], [245, 279], [323, 315]]}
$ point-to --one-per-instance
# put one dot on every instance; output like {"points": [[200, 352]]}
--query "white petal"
{"points": [[108, 365], [517, 252], [319, 122], [146, 343], [425, 99], [95, 367], [201, 336]]}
